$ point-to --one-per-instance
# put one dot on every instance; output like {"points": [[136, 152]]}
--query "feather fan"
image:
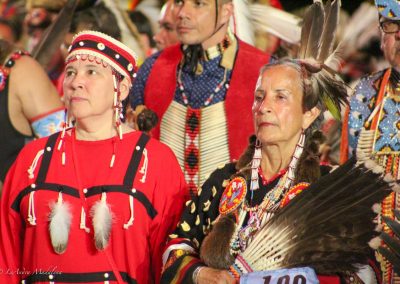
{"points": [[327, 227]]}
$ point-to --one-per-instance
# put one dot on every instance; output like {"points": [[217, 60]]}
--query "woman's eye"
{"points": [[179, 2], [281, 96], [92, 72], [69, 73], [199, 3]]}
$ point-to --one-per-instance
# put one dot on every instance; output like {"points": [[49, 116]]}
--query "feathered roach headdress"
{"points": [[317, 58]]}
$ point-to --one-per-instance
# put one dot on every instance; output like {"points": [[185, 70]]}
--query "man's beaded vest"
{"points": [[375, 121]]}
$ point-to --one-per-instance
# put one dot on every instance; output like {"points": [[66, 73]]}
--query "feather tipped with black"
{"points": [[391, 257], [397, 214], [393, 225], [328, 226], [392, 243], [316, 56], [313, 24], [328, 34], [392, 249]]}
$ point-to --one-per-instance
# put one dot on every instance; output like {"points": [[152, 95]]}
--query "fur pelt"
{"points": [[215, 249]]}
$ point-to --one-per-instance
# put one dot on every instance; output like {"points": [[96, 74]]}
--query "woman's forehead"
{"points": [[279, 74], [87, 60]]}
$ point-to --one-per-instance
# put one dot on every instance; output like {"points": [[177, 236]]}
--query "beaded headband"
{"points": [[389, 9], [106, 48]]}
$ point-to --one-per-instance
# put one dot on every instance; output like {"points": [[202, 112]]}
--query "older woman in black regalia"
{"points": [[277, 208]]}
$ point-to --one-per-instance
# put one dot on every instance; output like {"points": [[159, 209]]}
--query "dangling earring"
{"points": [[296, 156], [66, 124], [117, 106], [255, 164]]}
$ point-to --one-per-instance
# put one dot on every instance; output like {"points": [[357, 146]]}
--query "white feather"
{"points": [[241, 22], [395, 187], [363, 21], [369, 164], [375, 243], [377, 208], [388, 178], [60, 223], [102, 220], [277, 22]]}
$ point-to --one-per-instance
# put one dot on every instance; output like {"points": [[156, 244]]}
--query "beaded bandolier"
{"points": [[195, 125], [375, 119]]}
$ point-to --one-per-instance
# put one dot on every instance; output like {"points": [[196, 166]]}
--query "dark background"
{"points": [[348, 5]]}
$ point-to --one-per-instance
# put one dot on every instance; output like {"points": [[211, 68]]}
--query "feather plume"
{"points": [[361, 23], [241, 22], [315, 54], [311, 32], [60, 223], [102, 220], [281, 24], [332, 232], [329, 30]]}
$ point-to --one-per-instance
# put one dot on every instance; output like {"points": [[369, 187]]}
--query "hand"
{"points": [[209, 275]]}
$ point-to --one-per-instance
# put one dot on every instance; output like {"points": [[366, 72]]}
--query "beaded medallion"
{"points": [[233, 195]]}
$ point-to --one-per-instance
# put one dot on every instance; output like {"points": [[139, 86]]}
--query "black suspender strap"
{"points": [[135, 160], [48, 153]]}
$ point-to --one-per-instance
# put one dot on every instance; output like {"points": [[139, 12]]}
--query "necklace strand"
{"points": [[210, 97]]}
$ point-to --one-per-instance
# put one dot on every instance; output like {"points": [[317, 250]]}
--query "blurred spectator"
{"points": [[10, 30], [167, 35], [143, 26], [29, 104], [96, 18]]}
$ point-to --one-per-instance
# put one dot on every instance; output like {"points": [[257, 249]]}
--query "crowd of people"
{"points": [[184, 154]]}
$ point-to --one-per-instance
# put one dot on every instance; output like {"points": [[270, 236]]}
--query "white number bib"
{"points": [[301, 275]]}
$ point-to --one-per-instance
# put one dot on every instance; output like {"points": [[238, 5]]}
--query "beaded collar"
{"points": [[266, 181]]}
